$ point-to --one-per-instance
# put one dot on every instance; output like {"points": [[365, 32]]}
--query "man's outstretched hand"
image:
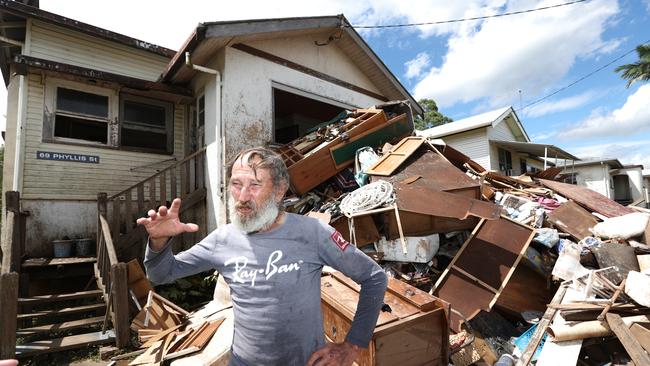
{"points": [[334, 354], [164, 224]]}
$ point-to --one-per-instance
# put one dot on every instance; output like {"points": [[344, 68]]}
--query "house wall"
{"points": [[635, 178], [247, 91], [61, 194], [502, 132], [472, 143], [595, 177], [59, 44], [247, 98]]}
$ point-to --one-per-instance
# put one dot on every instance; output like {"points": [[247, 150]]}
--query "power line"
{"points": [[581, 78], [467, 19]]}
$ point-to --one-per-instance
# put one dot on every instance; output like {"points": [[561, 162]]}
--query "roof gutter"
{"points": [[179, 60]]}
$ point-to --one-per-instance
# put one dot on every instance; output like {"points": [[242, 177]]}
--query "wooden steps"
{"points": [[64, 311], [64, 343], [46, 262], [60, 327], [42, 299]]}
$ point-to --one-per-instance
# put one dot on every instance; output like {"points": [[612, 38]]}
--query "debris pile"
{"points": [[521, 269], [500, 250]]}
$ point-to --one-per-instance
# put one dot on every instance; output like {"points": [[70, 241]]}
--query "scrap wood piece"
{"points": [[555, 352], [611, 301], [543, 324], [482, 267], [206, 334], [429, 201], [158, 335], [153, 355], [625, 336], [571, 218], [388, 163], [138, 282], [641, 331], [588, 198]]}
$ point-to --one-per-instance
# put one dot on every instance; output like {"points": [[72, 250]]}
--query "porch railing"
{"points": [[13, 248], [184, 179], [112, 279]]}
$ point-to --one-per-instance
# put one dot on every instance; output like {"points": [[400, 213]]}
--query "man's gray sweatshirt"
{"points": [[274, 280]]}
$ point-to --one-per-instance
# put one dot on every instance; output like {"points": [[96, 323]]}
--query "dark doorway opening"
{"points": [[294, 115]]}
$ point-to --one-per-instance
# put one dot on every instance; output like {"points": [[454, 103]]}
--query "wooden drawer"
{"points": [[414, 332]]}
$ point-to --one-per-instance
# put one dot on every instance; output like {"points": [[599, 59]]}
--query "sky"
{"points": [[467, 67]]}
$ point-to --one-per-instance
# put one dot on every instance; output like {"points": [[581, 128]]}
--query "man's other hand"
{"points": [[334, 354], [165, 223]]}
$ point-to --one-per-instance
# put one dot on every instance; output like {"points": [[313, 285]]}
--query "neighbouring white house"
{"points": [[90, 110], [497, 141], [607, 176]]}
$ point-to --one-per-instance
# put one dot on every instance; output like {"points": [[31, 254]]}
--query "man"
{"points": [[272, 261]]}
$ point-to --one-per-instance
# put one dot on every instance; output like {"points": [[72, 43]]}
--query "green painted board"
{"points": [[344, 153]]}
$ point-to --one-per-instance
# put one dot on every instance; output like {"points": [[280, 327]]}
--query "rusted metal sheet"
{"points": [[588, 198], [434, 171], [475, 278], [549, 173], [573, 219], [429, 201], [459, 159]]}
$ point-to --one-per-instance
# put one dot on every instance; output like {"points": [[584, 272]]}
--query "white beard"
{"points": [[261, 218]]}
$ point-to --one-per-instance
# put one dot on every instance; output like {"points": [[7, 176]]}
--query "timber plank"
{"points": [[60, 326], [629, 342], [73, 310], [44, 262], [64, 343], [40, 299]]}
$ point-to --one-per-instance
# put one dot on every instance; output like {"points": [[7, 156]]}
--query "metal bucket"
{"points": [[84, 247], [62, 248]]}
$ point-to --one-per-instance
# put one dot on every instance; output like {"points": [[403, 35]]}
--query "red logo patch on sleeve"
{"points": [[339, 241]]}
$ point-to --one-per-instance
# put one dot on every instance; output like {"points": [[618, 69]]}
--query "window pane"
{"points": [[78, 128], [145, 139], [80, 102], [145, 114], [201, 111]]}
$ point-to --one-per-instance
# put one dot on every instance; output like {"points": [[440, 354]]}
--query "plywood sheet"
{"points": [[588, 198], [392, 160], [573, 220]]}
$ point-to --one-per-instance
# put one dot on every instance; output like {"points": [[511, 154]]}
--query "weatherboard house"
{"points": [[498, 142], [91, 111]]}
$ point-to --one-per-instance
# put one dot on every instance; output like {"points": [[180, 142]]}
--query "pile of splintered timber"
{"points": [[166, 333]]}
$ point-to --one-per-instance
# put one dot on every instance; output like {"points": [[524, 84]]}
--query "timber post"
{"points": [[8, 314]]}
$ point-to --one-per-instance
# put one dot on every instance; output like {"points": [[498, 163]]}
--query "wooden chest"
{"points": [[413, 332]]}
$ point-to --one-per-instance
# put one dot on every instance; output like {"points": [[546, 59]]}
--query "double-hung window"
{"points": [[146, 124], [81, 115]]}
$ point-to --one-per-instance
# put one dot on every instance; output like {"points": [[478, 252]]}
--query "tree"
{"points": [[432, 117], [640, 70]]}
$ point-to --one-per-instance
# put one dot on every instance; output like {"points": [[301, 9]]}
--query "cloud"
{"points": [[543, 136], [631, 118], [414, 67], [627, 152], [495, 58], [561, 105], [125, 16]]}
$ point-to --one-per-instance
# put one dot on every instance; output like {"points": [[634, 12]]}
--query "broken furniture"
{"points": [[483, 267], [411, 329]]}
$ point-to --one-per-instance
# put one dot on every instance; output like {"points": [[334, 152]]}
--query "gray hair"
{"points": [[269, 160]]}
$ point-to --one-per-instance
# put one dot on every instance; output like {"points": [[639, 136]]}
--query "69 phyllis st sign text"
{"points": [[77, 158]]}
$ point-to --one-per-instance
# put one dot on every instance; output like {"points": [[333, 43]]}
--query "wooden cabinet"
{"points": [[413, 332]]}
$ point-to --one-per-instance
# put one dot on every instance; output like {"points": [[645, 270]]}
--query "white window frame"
{"points": [[51, 87], [169, 122]]}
